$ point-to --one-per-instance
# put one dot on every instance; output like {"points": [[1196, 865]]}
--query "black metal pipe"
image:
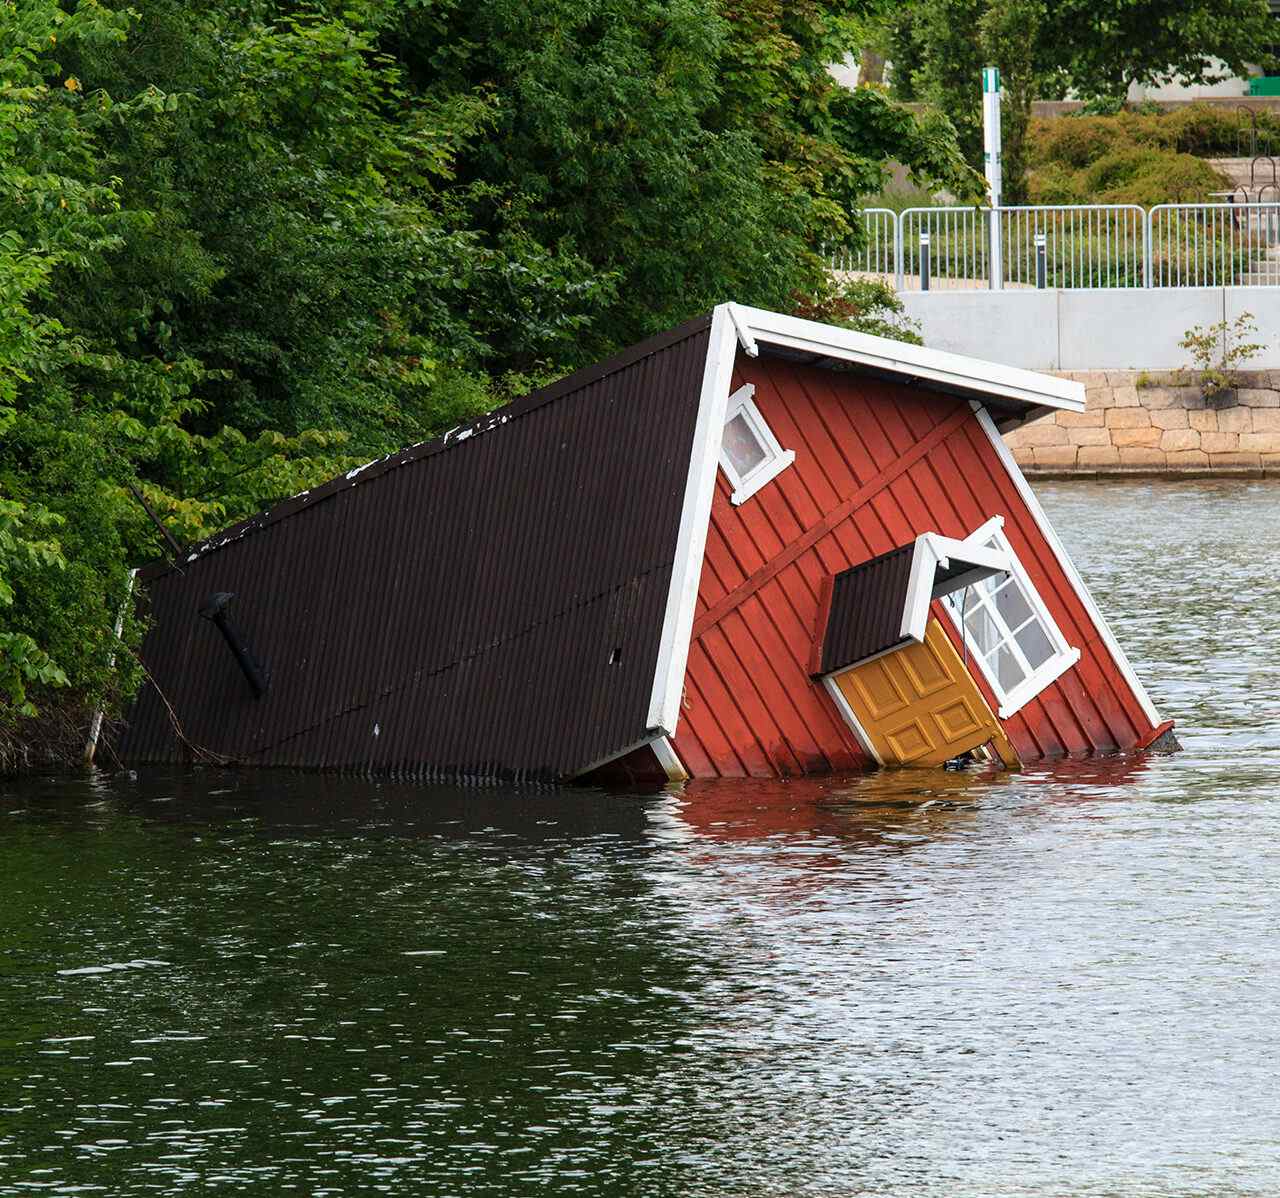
{"points": [[214, 610]]}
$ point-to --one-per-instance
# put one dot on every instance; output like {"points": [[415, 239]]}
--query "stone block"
{"points": [[1121, 437], [1091, 378], [1176, 440], [1253, 397], [1128, 418], [1260, 442], [1171, 418], [1172, 397], [1213, 443], [1266, 420], [1271, 461], [1235, 420], [1098, 455], [1055, 455], [1024, 455], [1043, 433], [1160, 397], [1203, 422], [1186, 458], [1235, 459], [1136, 455], [1123, 378], [1082, 419], [1125, 397], [1090, 436], [1097, 399]]}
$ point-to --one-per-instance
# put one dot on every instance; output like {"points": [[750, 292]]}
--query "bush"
{"points": [[1147, 177], [1205, 130], [1136, 157], [1073, 142]]}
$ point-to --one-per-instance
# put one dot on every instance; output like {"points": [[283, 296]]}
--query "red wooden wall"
{"points": [[910, 462]]}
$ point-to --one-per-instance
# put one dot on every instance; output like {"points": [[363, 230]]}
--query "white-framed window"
{"points": [[750, 455], [1007, 629]]}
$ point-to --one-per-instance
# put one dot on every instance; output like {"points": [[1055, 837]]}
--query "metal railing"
{"points": [[878, 257], [1070, 246], [1214, 245], [958, 248]]}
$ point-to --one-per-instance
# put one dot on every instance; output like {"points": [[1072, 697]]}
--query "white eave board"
{"points": [[910, 361]]}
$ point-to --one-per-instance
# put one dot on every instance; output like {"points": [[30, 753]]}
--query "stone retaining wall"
{"points": [[1154, 423]]}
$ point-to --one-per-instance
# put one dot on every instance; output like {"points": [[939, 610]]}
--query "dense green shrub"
{"points": [[1133, 157]]}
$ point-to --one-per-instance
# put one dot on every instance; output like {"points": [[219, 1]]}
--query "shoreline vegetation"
{"points": [[250, 246]]}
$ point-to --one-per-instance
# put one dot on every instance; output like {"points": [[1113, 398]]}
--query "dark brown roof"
{"points": [[486, 604], [865, 614]]}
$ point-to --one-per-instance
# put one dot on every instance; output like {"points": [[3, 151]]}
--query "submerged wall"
{"points": [[1138, 422]]}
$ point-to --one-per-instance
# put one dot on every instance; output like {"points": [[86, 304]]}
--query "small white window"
{"points": [[1008, 630], [749, 452]]}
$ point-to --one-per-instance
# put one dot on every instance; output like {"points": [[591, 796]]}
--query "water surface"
{"points": [[961, 984]]}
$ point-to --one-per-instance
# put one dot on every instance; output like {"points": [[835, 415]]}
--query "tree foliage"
{"points": [[1093, 49], [250, 243]]}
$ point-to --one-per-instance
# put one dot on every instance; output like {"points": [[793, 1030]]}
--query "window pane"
{"points": [[1035, 644], [742, 446], [1006, 668], [1012, 605], [984, 633]]}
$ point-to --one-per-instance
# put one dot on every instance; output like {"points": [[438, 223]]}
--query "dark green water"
{"points": [[1063, 982]]}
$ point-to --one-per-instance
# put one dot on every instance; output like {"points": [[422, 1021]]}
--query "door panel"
{"points": [[878, 690], [919, 705]]}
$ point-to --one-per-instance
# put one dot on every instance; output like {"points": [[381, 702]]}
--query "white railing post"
{"points": [[897, 249], [994, 257], [1146, 248]]}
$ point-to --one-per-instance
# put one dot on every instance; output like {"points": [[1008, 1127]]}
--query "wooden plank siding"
{"points": [[750, 707]]}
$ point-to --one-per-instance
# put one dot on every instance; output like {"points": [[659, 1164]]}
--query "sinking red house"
{"points": [[753, 545]]}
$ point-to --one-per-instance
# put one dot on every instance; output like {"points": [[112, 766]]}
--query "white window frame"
{"points": [[776, 460], [1064, 655]]}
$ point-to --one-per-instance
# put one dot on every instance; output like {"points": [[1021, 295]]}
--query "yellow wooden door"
{"points": [[919, 706]]}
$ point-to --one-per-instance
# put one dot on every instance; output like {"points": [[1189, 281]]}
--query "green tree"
{"points": [[1049, 48], [1099, 47], [1009, 32]]}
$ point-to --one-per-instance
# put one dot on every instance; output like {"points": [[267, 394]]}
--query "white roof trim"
{"points": [[695, 517], [934, 552], [912, 361]]}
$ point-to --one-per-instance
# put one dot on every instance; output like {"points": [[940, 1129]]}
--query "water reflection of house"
{"points": [[746, 547]]}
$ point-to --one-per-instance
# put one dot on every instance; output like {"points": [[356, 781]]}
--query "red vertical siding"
{"points": [[750, 708]]}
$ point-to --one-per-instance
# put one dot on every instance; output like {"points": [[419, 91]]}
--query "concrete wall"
{"points": [[1137, 423], [1078, 329]]}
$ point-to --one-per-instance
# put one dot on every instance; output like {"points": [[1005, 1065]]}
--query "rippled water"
{"points": [[1062, 982]]}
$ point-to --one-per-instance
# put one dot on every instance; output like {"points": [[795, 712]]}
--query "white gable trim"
{"points": [[912, 361], [695, 516], [933, 552], [1064, 560]]}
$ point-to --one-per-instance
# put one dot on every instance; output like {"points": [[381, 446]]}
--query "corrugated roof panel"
{"points": [[465, 596], [867, 602]]}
